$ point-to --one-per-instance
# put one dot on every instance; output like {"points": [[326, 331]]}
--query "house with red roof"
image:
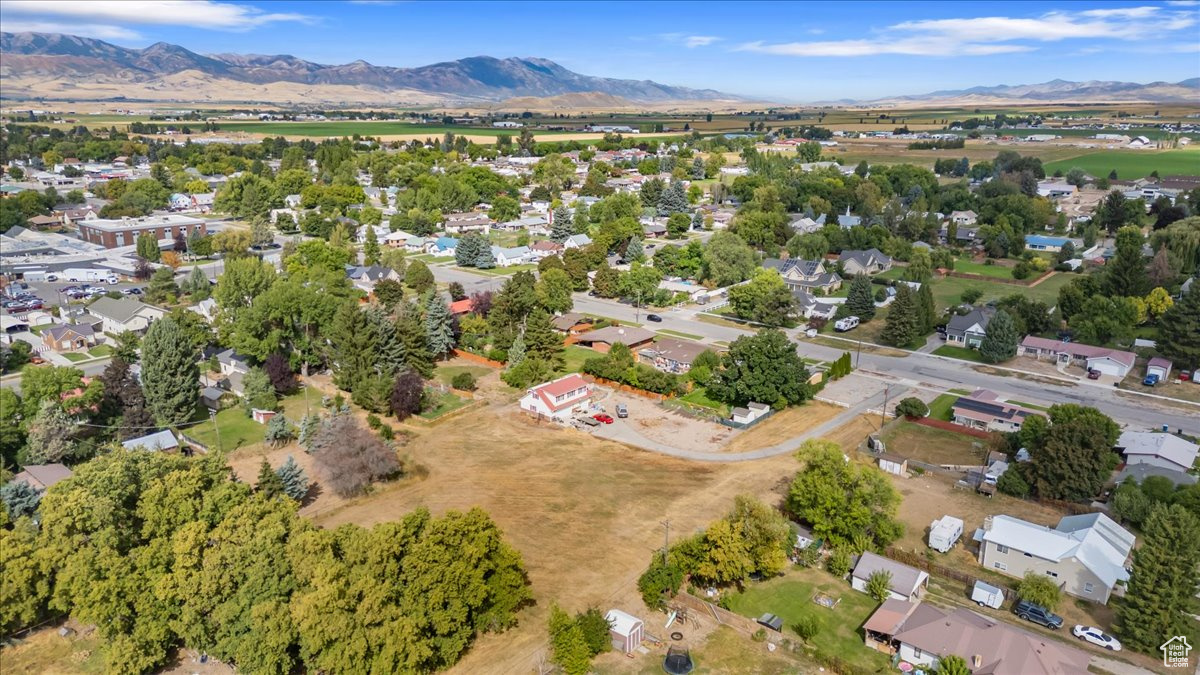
{"points": [[557, 399], [460, 307]]}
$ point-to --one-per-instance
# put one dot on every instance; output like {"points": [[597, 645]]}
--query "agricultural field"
{"points": [[1131, 164], [365, 128]]}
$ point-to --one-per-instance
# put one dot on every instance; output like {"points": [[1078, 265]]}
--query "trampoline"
{"points": [[678, 661]]}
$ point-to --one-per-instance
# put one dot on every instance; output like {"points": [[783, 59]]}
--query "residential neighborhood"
{"points": [[493, 366]]}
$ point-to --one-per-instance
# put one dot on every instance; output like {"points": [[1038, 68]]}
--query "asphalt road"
{"points": [[920, 370]]}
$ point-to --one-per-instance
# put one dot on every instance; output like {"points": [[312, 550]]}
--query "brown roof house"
{"points": [[572, 323], [42, 476], [671, 355], [921, 634], [907, 583], [69, 338], [603, 339]]}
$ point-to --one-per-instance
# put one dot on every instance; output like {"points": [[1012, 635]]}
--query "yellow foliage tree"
{"points": [[1158, 302]]}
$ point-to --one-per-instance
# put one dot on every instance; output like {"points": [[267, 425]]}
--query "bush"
{"points": [[1039, 589], [373, 421], [659, 580], [1022, 270], [348, 457], [970, 295], [839, 563], [463, 382], [759, 635], [912, 407], [497, 354], [386, 433], [1012, 483], [807, 627]]}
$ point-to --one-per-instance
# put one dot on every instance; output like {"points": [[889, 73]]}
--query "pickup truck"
{"points": [[1150, 380]]}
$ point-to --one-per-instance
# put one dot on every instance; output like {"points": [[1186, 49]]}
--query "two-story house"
{"points": [[806, 275], [871, 261], [1085, 555], [557, 399], [968, 330]]}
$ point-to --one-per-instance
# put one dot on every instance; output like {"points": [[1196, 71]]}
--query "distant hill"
{"points": [[54, 64], [1055, 91]]}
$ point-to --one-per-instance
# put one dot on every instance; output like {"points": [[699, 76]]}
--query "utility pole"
{"points": [[666, 538], [887, 391], [859, 354], [637, 314], [213, 414]]}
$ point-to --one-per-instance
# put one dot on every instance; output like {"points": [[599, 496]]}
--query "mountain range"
{"points": [[59, 66], [44, 64]]}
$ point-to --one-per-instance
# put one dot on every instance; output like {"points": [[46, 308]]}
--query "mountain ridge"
{"points": [[60, 57]]}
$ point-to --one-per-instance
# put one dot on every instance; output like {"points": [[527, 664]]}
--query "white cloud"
{"points": [[194, 13], [699, 40], [1183, 3], [98, 31], [982, 36]]}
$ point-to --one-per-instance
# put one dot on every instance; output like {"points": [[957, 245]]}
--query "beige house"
{"points": [[1086, 554]]}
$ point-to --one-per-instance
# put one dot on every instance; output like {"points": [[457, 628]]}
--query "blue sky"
{"points": [[775, 51]]}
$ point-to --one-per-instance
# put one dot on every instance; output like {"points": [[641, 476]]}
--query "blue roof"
{"points": [[1040, 240], [446, 242]]}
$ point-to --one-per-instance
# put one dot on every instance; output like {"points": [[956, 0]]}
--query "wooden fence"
{"points": [[950, 426], [625, 388], [922, 563], [476, 358]]}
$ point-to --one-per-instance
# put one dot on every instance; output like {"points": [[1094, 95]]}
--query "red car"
{"points": [[1093, 374], [601, 417]]}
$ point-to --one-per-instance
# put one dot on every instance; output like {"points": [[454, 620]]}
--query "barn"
{"points": [[626, 630]]}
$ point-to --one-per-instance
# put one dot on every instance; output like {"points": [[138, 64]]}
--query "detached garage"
{"points": [[1160, 367], [626, 631]]}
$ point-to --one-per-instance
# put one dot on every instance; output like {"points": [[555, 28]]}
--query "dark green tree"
{"points": [[170, 377], [763, 368], [418, 277], [1179, 330], [1074, 456], [295, 482], [1125, 274], [902, 327], [269, 484], [1000, 341], [1160, 598], [147, 247], [859, 300]]}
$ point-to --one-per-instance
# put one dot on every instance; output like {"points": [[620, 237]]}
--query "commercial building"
{"points": [[116, 232]]}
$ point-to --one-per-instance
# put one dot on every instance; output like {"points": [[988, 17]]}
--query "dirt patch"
{"points": [[852, 389], [934, 446], [929, 497], [783, 425], [852, 434], [653, 421], [584, 513]]}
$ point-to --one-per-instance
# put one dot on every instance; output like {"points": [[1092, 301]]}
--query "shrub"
{"points": [[386, 433], [373, 421], [839, 563], [463, 381], [912, 407], [807, 626], [970, 295], [1013, 484], [877, 585], [659, 580], [348, 457], [759, 635], [1039, 589]]}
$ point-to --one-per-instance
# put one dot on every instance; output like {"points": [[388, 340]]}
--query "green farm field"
{"points": [[1133, 163], [364, 128]]}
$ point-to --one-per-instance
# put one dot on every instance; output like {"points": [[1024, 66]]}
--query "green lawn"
{"points": [[101, 350], [447, 403], [504, 271], [445, 373], [948, 292], [939, 408], [75, 357], [1130, 164], [699, 397], [968, 266], [959, 353], [680, 334], [37, 330], [237, 429], [574, 355], [790, 597], [368, 128]]}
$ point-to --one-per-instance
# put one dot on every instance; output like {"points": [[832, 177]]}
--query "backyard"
{"points": [[933, 446], [790, 597], [235, 429]]}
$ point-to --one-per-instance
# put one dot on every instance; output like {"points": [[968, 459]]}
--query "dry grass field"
{"points": [[783, 425]]}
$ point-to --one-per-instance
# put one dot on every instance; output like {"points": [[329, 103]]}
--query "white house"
{"points": [[557, 399], [961, 218], [907, 583], [1085, 555], [577, 241], [118, 315], [506, 257], [1165, 451], [157, 441]]}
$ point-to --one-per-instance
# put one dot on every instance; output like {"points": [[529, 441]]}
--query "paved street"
{"points": [[922, 370]]}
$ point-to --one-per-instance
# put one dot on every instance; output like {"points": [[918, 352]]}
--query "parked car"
{"points": [[1035, 613], [1097, 637], [1151, 380], [601, 417], [810, 333], [622, 411], [132, 291], [848, 323], [37, 360], [653, 317], [1093, 374], [34, 303]]}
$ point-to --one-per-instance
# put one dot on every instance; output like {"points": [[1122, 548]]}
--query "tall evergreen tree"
{"points": [[582, 222], [51, 435], [484, 259], [562, 227], [390, 349], [1125, 274], [269, 484], [147, 247], [901, 327], [1000, 341], [198, 286], [295, 482], [541, 340], [1179, 330], [634, 251], [411, 330], [673, 200], [859, 300], [926, 309], [170, 377], [466, 253], [355, 343], [371, 252], [1165, 578], [439, 326]]}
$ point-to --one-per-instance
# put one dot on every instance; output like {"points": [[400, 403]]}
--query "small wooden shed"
{"points": [[626, 631], [893, 464]]}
